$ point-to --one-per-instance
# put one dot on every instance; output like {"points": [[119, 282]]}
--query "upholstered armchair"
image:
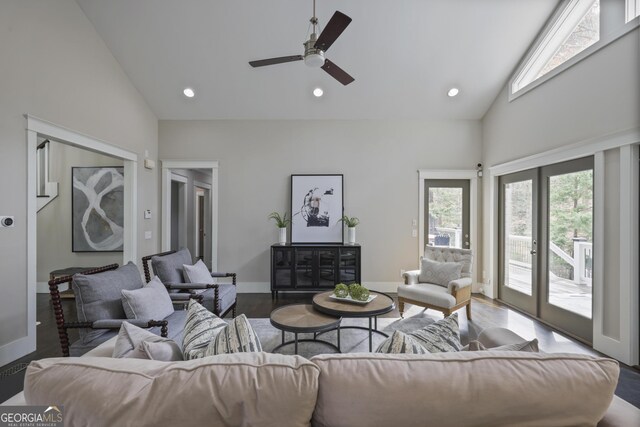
{"points": [[219, 298], [100, 310], [443, 282]]}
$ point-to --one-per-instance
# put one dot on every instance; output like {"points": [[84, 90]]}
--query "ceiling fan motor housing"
{"points": [[313, 57]]}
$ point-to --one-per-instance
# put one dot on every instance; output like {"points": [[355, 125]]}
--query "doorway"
{"points": [[546, 244], [189, 208]]}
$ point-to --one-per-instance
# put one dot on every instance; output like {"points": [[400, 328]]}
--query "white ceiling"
{"points": [[404, 55]]}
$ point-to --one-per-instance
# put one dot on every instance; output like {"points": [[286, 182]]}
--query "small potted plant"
{"points": [[281, 222], [351, 225]]}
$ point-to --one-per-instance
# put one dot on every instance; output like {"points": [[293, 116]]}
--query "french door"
{"points": [[546, 244], [446, 212]]}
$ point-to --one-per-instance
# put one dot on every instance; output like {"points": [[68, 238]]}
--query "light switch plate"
{"points": [[414, 233], [147, 214]]}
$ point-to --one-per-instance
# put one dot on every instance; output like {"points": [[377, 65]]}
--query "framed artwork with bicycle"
{"points": [[316, 208]]}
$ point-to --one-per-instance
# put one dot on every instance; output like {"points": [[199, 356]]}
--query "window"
{"points": [[577, 29], [633, 10]]}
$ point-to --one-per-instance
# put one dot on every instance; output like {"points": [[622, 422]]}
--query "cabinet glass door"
{"points": [[326, 268], [348, 266], [304, 268], [282, 263]]}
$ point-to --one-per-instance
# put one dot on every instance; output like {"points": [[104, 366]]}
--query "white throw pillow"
{"points": [[137, 343], [149, 303], [197, 273], [200, 329], [438, 273]]}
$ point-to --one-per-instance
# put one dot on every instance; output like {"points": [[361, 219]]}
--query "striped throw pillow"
{"points": [[401, 343], [237, 337], [440, 337], [200, 329]]}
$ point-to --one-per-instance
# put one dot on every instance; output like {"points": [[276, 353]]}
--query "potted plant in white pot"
{"points": [[351, 227], [281, 222]]}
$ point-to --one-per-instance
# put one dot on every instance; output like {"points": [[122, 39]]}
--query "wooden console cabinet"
{"points": [[307, 267]]}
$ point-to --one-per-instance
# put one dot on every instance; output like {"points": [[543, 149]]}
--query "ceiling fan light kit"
{"points": [[315, 48]]}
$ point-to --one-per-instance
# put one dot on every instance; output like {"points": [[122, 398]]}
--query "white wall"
{"points": [[55, 67], [54, 220], [597, 97], [379, 160]]}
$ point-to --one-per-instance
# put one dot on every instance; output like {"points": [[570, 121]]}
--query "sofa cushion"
{"points": [[463, 389], [428, 293], [98, 296], [238, 336], [79, 347], [531, 346], [169, 267], [197, 273], [200, 329], [401, 343], [438, 273], [441, 336], [243, 389], [130, 344], [152, 302], [226, 296]]}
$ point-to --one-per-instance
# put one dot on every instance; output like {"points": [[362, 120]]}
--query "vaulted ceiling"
{"points": [[404, 55]]}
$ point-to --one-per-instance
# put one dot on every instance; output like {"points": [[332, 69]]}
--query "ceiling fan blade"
{"points": [[337, 73], [336, 25], [274, 61]]}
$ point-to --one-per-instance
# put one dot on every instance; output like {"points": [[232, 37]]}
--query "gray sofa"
{"points": [[263, 389]]}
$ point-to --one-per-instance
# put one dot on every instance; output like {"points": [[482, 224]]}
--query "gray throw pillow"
{"points": [[401, 343], [168, 268], [530, 346], [197, 273], [200, 329], [438, 273], [130, 344], [149, 303], [237, 337], [98, 296], [442, 336]]}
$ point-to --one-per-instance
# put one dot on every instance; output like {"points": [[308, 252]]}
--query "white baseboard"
{"points": [[43, 287], [387, 287], [16, 349]]}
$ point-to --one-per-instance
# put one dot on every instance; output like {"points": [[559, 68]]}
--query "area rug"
{"points": [[351, 340]]}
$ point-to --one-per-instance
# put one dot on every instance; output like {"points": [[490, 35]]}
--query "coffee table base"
{"points": [[371, 330], [296, 340]]}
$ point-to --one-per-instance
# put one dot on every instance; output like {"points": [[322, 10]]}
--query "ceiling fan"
{"points": [[315, 47]]}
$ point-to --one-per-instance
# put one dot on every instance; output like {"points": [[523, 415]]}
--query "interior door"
{"points": [[518, 249], [446, 212]]}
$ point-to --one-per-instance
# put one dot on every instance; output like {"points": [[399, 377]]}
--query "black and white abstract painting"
{"points": [[316, 208], [97, 207]]}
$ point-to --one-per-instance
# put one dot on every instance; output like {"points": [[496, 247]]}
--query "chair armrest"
{"points": [[190, 286], [216, 274], [411, 277], [117, 323], [458, 284]]}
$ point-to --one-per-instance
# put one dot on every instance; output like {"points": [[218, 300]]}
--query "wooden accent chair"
{"points": [[447, 296], [97, 330], [219, 298]]}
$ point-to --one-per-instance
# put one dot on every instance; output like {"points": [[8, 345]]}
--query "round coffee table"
{"points": [[382, 304], [302, 318]]}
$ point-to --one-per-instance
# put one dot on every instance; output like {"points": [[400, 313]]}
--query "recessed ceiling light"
{"points": [[317, 92], [188, 92], [453, 92]]}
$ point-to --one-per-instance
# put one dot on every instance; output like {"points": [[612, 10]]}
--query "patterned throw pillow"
{"points": [[200, 329], [531, 346], [438, 273], [237, 337], [401, 343], [442, 336]]}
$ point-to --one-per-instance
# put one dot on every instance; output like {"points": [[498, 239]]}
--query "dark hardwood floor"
{"points": [[486, 313]]}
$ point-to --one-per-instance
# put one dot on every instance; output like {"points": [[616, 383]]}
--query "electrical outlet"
{"points": [[147, 235], [414, 233], [7, 221], [414, 223]]}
